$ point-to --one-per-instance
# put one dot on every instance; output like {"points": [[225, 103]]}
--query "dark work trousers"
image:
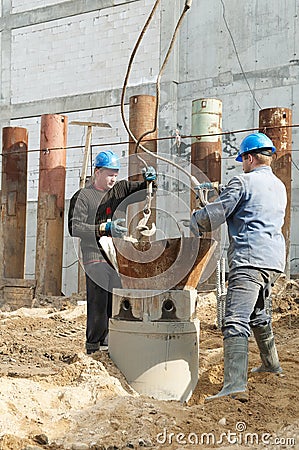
{"points": [[248, 295], [101, 278]]}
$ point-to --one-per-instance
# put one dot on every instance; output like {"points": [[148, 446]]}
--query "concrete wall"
{"points": [[70, 57]]}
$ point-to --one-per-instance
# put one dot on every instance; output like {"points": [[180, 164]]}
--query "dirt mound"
{"points": [[53, 396]]}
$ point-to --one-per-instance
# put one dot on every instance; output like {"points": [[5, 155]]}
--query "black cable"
{"points": [[70, 265], [295, 165], [63, 267], [196, 136], [158, 81]]}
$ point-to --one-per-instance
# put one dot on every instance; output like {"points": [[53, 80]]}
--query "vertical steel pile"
{"points": [[141, 119], [13, 201], [206, 155], [276, 123], [51, 196], [206, 151]]}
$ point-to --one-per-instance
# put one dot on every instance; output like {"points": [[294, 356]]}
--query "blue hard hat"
{"points": [[107, 160], [255, 141]]}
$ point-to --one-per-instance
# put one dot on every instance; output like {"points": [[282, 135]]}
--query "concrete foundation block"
{"points": [[152, 305], [158, 359]]}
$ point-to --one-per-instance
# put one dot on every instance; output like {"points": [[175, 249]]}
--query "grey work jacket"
{"points": [[253, 205]]}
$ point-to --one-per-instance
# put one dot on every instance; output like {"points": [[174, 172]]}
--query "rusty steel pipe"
{"points": [[13, 201], [206, 152], [206, 159], [282, 159], [51, 196], [141, 119]]}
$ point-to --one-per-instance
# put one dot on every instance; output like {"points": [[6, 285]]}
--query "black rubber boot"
{"points": [[91, 348], [265, 341], [235, 369]]}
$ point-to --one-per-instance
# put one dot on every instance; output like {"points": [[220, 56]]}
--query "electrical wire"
{"points": [[138, 141], [168, 53], [295, 165], [63, 267], [129, 68], [237, 55], [71, 264], [165, 138]]}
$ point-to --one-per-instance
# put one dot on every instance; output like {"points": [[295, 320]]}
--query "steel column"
{"points": [[51, 196], [206, 151], [276, 124], [206, 155], [13, 201], [141, 119]]}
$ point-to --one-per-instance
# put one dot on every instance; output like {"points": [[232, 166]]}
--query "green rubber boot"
{"points": [[235, 369], [265, 341]]}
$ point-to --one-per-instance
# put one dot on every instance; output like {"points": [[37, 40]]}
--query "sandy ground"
{"points": [[53, 396]]}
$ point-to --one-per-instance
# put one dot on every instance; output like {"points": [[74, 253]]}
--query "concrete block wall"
{"points": [[71, 56], [77, 54], [18, 6]]}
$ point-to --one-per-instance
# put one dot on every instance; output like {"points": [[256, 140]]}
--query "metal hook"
{"points": [[142, 224], [149, 231]]}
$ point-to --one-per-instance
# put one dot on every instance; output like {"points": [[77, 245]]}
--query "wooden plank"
{"points": [[17, 282]]}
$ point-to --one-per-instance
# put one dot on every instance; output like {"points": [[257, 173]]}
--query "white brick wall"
{"points": [[27, 5], [84, 53]]}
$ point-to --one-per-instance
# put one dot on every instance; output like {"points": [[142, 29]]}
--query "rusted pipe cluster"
{"points": [[205, 157], [51, 199]]}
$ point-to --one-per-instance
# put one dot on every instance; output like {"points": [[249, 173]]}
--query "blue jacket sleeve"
{"points": [[215, 214]]}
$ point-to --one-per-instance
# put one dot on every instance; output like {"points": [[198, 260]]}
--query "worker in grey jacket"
{"points": [[253, 205]]}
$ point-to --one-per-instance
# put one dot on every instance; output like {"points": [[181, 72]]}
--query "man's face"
{"points": [[247, 162], [105, 179]]}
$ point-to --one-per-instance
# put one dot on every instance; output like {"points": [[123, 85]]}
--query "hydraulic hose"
{"points": [[138, 42]]}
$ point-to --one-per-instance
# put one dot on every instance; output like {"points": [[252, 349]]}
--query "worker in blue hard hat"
{"points": [[107, 160], [257, 143], [253, 205], [90, 218]]}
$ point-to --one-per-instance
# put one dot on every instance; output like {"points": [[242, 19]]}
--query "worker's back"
{"points": [[256, 221]]}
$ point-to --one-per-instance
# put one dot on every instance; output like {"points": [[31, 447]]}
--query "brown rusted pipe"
{"points": [[282, 159], [206, 152], [51, 196], [206, 159], [141, 119], [13, 201]]}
